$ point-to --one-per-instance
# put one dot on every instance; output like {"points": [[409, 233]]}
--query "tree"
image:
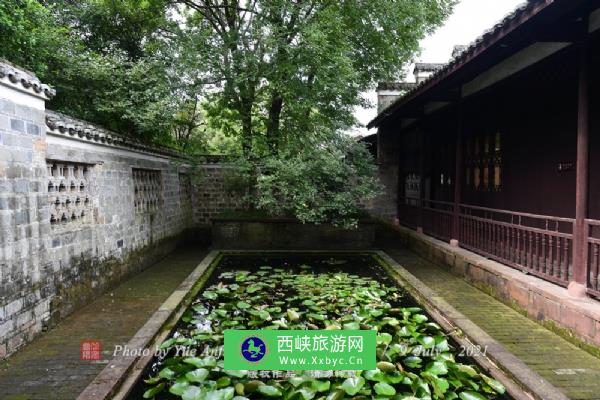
{"points": [[288, 66]]}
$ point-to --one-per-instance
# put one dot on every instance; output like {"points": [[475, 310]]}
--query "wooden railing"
{"points": [[592, 229], [537, 244], [408, 211], [437, 219]]}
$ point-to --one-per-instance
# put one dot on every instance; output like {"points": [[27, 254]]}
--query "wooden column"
{"points": [[455, 241], [579, 283], [422, 144]]}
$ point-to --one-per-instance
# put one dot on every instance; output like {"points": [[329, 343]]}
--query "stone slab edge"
{"points": [[121, 373], [581, 316], [521, 382]]}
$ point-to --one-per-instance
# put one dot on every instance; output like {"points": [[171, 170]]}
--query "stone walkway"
{"points": [[568, 368], [50, 367]]}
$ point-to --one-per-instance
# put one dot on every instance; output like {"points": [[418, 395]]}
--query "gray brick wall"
{"points": [[212, 193], [48, 269]]}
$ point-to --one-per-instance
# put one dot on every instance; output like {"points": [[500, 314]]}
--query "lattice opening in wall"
{"points": [[147, 190], [69, 192]]}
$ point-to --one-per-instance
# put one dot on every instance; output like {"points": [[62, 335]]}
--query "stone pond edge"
{"points": [[521, 382], [121, 373]]}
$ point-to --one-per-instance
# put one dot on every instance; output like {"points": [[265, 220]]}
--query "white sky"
{"points": [[470, 19]]}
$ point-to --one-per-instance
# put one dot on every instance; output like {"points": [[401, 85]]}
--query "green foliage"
{"points": [[290, 68], [415, 358], [275, 81], [319, 183]]}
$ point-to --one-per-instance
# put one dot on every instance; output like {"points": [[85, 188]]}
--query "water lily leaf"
{"points": [[441, 344], [427, 341], [198, 375], [471, 396], [168, 343], [206, 362], [352, 385], [264, 315], [412, 361], [440, 386], [152, 381], [374, 374], [420, 318], [178, 388], [494, 384], [293, 315], [223, 381], [384, 338], [467, 370], [209, 295], [253, 288], [383, 389], [150, 393], [269, 391], [437, 368], [352, 326], [317, 317], [221, 394], [243, 305], [192, 393], [167, 373], [321, 386], [236, 373], [335, 395]]}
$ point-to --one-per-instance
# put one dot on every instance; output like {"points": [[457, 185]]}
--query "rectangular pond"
{"points": [[416, 359]]}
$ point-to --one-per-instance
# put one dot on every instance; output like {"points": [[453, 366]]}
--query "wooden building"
{"points": [[499, 150]]}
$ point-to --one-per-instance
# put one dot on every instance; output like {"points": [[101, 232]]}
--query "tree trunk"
{"points": [[246, 114], [273, 122]]}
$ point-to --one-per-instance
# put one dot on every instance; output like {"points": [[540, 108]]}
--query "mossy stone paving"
{"points": [[567, 367], [50, 367]]}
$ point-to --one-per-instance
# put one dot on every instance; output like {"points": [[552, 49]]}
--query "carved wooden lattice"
{"points": [[69, 192], [483, 163], [147, 190]]}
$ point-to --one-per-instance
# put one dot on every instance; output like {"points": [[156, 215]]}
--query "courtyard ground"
{"points": [[51, 368], [567, 367]]}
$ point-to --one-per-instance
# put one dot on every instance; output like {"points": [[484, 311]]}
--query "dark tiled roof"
{"points": [[399, 86], [68, 126], [458, 50], [516, 18], [24, 78], [428, 67]]}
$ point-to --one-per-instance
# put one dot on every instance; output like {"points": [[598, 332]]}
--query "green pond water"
{"points": [[416, 359]]}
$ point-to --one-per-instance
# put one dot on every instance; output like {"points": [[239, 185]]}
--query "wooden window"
{"points": [[483, 162]]}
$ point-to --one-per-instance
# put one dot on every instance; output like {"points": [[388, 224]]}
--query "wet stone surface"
{"points": [[51, 366], [567, 367]]}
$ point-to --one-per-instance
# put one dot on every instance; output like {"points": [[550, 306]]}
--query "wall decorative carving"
{"points": [[69, 192], [147, 190]]}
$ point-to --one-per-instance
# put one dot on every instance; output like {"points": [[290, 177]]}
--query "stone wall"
{"points": [[212, 193], [81, 208], [385, 206]]}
